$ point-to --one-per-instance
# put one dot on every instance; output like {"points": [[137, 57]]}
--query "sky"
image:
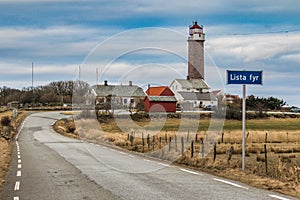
{"points": [[146, 42]]}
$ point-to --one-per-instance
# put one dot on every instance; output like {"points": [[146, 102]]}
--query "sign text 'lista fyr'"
{"points": [[244, 77]]}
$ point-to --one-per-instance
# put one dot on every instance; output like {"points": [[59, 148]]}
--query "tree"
{"points": [[260, 103]]}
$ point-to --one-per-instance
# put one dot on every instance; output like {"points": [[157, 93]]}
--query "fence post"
{"points": [[170, 139], [166, 137], [188, 136], [148, 141], [247, 135], [266, 162], [287, 137], [266, 137], [131, 139], [196, 137], [192, 148], [182, 146], [215, 151], [231, 151], [159, 142], [202, 147]]}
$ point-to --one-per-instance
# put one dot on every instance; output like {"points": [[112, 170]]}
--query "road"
{"points": [[48, 166]]}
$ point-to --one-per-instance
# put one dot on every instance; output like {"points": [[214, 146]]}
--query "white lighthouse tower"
{"points": [[196, 52]]}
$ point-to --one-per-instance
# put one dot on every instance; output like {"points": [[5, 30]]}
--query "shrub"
{"points": [[5, 121]]}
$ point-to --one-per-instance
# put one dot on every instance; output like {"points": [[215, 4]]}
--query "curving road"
{"points": [[48, 166]]}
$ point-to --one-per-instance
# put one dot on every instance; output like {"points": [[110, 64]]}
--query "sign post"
{"points": [[244, 78]]}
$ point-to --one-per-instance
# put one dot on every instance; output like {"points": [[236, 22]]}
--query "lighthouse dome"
{"points": [[195, 28]]}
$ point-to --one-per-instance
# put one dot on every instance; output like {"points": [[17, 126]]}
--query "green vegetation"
{"points": [[229, 125]]}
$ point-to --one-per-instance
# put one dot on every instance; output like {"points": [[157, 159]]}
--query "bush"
{"points": [[5, 121]]}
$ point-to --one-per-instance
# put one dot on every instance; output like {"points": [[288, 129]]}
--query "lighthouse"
{"points": [[196, 41]]}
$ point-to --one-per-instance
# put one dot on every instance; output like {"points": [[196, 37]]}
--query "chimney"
{"points": [[105, 83], [149, 90], [130, 83]]}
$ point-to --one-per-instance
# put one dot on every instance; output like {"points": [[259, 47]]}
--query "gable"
{"points": [[118, 90], [193, 84], [159, 91]]}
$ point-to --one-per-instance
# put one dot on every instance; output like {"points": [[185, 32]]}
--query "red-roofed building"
{"points": [[160, 99]]}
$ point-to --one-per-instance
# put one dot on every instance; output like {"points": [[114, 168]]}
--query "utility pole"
{"points": [[32, 83], [79, 73], [32, 76]]}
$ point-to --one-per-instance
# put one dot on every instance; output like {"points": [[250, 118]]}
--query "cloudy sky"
{"points": [[145, 41]]}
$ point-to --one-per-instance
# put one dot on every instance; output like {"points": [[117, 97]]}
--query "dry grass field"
{"points": [[280, 173]]}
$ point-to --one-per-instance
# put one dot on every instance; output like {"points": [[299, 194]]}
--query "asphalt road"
{"points": [[48, 166]]}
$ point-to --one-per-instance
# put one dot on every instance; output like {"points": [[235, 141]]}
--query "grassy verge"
{"points": [[281, 136], [6, 144]]}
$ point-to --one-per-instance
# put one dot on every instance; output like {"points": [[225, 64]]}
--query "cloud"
{"points": [[58, 35], [57, 40], [254, 48]]}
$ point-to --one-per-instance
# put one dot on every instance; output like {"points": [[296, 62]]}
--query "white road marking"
{"points": [[278, 197], [19, 161], [191, 172], [16, 198], [163, 164], [131, 156], [19, 173], [122, 153], [147, 160], [18, 152], [17, 185], [17, 136], [19, 166], [19, 156], [230, 183]]}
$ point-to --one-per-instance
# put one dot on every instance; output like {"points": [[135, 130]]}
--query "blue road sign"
{"points": [[244, 77]]}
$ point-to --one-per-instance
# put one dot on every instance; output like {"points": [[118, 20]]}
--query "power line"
{"points": [[269, 32]]}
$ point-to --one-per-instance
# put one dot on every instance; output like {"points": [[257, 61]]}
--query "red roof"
{"points": [[159, 91], [195, 25]]}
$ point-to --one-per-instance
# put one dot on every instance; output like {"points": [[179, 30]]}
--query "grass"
{"points": [[265, 124], [113, 126]]}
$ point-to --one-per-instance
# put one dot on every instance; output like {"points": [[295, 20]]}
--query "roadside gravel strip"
{"points": [[55, 167]]}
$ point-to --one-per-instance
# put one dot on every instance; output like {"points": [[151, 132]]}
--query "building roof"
{"points": [[216, 92], [162, 98], [118, 90], [159, 91], [195, 25], [193, 83], [193, 96]]}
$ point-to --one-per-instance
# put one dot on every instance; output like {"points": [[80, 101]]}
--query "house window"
{"points": [[131, 100], [125, 101]]}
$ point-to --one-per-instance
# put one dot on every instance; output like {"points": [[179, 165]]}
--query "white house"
{"points": [[192, 94], [122, 95]]}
